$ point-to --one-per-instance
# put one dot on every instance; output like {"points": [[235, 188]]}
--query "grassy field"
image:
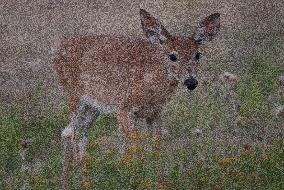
{"points": [[207, 143]]}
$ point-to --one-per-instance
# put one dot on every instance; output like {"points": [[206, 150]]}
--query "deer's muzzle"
{"points": [[191, 83]]}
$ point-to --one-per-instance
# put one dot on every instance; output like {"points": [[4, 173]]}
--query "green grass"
{"points": [[187, 161], [256, 85], [10, 135], [252, 169]]}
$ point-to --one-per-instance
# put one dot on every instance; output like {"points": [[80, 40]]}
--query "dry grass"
{"points": [[209, 144]]}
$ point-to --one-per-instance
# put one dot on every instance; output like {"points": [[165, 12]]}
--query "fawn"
{"points": [[131, 76]]}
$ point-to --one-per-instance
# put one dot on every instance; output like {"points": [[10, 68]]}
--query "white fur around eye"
{"points": [[174, 52]]}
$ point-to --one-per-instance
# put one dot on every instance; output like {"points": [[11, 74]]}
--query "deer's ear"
{"points": [[207, 29], [153, 28]]}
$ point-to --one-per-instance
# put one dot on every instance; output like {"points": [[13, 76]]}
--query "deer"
{"points": [[130, 76]]}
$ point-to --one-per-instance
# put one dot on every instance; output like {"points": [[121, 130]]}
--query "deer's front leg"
{"points": [[130, 136], [154, 125]]}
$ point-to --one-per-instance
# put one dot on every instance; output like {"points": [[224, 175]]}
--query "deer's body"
{"points": [[131, 76], [115, 72]]}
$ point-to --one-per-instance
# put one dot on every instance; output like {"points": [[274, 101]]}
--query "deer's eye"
{"points": [[173, 57], [198, 56]]}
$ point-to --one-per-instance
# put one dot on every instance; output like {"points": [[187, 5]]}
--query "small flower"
{"points": [[93, 144], [239, 121], [25, 143], [134, 136], [281, 80], [229, 77], [126, 159], [237, 106], [205, 80], [247, 147], [2, 173], [146, 184], [232, 174], [38, 179], [88, 184], [271, 99], [202, 179], [228, 161], [197, 132], [279, 112], [129, 154]]}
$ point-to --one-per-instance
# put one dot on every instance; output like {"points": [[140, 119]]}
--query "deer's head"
{"points": [[181, 53]]}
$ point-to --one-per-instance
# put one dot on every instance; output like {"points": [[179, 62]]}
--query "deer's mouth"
{"points": [[191, 83]]}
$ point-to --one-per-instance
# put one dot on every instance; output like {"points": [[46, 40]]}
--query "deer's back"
{"points": [[112, 70]]}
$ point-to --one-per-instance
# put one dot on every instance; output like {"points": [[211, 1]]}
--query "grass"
{"points": [[10, 139], [257, 84], [253, 169], [213, 158]]}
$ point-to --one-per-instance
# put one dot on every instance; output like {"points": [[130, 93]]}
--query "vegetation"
{"points": [[203, 147], [252, 169]]}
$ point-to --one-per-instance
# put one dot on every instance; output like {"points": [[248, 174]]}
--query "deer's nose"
{"points": [[191, 83]]}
